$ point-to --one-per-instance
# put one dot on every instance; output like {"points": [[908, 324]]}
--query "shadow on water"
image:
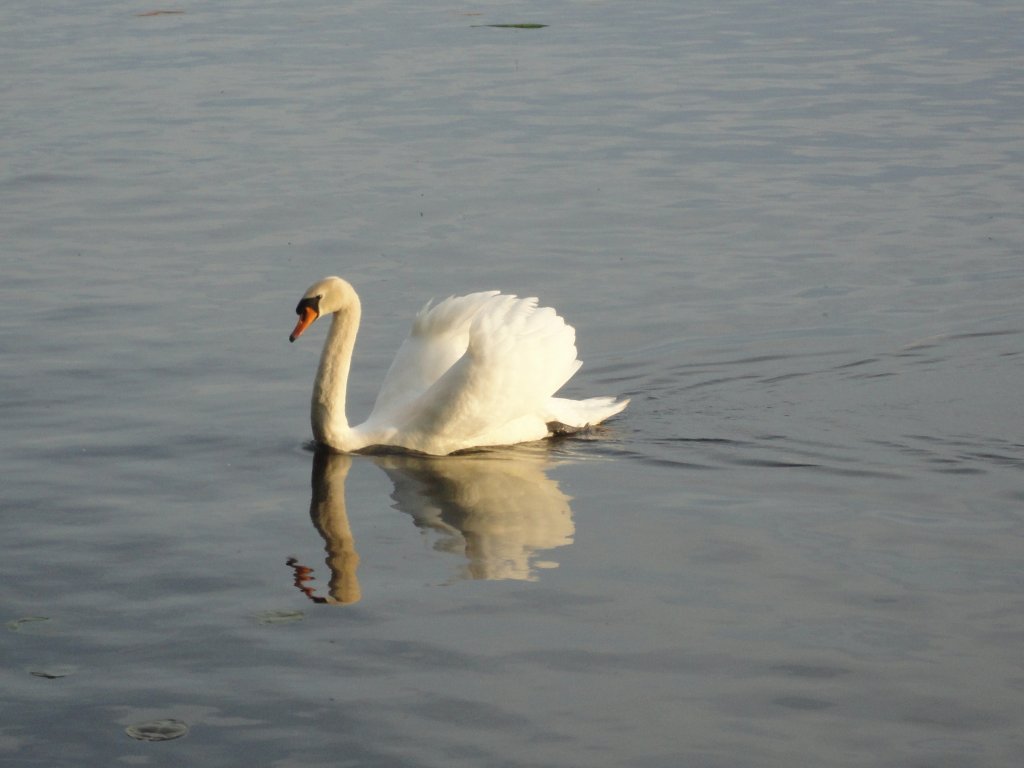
{"points": [[497, 509]]}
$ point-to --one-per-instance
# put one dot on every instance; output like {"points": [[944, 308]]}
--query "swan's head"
{"points": [[325, 297]]}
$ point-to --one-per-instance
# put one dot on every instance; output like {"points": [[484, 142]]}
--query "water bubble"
{"points": [[157, 730]]}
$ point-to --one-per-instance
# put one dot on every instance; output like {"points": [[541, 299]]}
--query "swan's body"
{"points": [[477, 370]]}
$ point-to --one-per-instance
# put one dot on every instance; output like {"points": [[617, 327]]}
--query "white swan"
{"points": [[477, 370]]}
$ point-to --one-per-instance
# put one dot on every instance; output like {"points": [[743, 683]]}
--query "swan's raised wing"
{"points": [[438, 338], [516, 357]]}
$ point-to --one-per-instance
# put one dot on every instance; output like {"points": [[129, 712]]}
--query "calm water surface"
{"points": [[791, 232]]}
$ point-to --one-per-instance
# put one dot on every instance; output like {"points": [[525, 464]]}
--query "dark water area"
{"points": [[791, 233]]}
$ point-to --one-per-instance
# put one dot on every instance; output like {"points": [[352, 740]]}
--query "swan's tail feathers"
{"points": [[566, 415]]}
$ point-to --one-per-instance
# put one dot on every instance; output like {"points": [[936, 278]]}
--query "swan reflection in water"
{"points": [[497, 509]]}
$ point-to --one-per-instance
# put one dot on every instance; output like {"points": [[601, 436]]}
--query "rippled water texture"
{"points": [[790, 232]]}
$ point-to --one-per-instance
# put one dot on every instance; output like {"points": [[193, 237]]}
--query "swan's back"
{"points": [[477, 370]]}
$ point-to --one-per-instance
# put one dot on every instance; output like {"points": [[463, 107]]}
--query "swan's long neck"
{"points": [[327, 411]]}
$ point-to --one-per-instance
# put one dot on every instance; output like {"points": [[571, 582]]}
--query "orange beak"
{"points": [[308, 316]]}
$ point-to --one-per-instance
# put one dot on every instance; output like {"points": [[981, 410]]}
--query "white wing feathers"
{"points": [[473, 367], [438, 338]]}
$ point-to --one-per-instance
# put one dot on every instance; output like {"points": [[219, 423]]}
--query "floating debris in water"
{"points": [[513, 26], [54, 672], [279, 617], [27, 624], [160, 13], [157, 730]]}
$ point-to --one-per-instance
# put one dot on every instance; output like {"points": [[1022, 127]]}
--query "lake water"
{"points": [[791, 232]]}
